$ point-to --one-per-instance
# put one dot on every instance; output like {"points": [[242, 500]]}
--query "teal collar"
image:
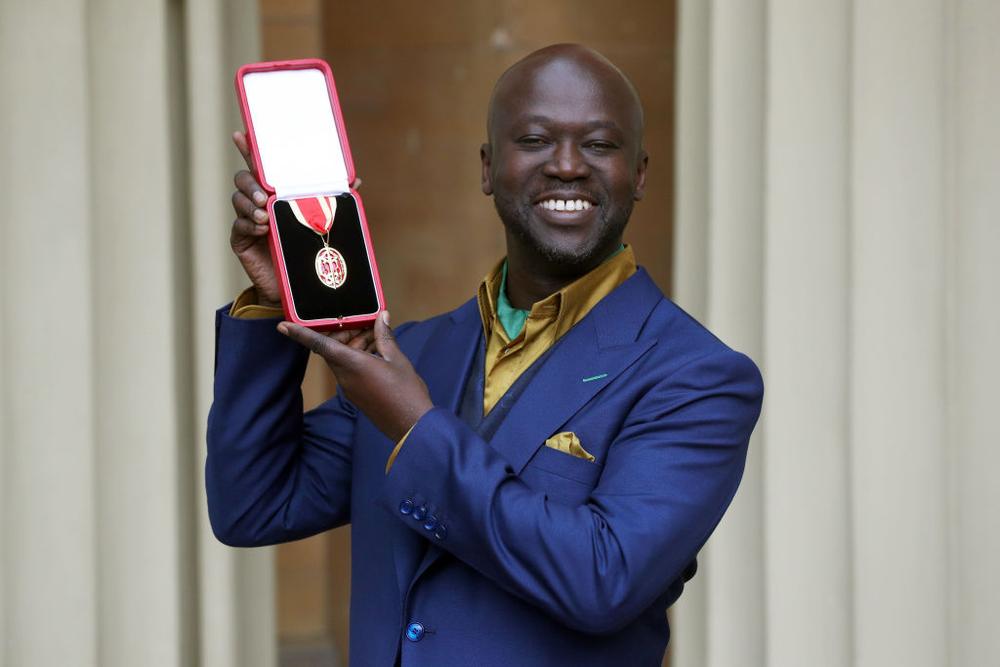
{"points": [[512, 319]]}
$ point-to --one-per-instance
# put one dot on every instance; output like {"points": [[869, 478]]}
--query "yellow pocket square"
{"points": [[568, 443]]}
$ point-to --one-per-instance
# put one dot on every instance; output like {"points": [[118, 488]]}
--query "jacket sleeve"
{"points": [[272, 474], [668, 477]]}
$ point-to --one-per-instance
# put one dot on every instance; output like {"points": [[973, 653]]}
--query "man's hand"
{"points": [[248, 237], [385, 387]]}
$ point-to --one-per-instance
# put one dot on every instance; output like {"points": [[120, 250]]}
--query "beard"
{"points": [[516, 217]]}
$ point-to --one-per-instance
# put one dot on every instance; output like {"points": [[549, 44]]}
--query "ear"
{"points": [[486, 157], [640, 176]]}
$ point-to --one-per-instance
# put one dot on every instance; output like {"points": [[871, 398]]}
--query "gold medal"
{"points": [[330, 266], [317, 213]]}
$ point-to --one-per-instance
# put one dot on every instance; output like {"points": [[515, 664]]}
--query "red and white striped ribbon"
{"points": [[316, 213]]}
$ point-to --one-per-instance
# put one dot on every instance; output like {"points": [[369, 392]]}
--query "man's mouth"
{"points": [[565, 204]]}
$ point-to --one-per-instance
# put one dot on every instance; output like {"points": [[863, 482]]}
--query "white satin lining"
{"points": [[296, 132]]}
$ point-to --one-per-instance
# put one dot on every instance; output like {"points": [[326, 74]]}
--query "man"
{"points": [[529, 477]]}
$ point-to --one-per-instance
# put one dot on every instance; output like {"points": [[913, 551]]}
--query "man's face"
{"points": [[565, 162]]}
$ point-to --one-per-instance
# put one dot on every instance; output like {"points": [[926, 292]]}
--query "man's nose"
{"points": [[567, 163]]}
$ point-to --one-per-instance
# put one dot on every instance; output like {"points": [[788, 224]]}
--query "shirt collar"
{"points": [[568, 306]]}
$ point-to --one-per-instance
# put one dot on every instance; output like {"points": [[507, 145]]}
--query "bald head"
{"points": [[565, 62], [564, 162]]}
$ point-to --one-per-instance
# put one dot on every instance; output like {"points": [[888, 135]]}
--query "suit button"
{"points": [[415, 632], [440, 532], [420, 513], [406, 507], [431, 522]]}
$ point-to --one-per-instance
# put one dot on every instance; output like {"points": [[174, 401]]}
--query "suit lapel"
{"points": [[444, 366], [588, 358], [592, 354], [444, 363]]}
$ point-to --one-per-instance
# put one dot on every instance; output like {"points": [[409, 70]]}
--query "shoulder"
{"points": [[685, 348], [412, 336]]}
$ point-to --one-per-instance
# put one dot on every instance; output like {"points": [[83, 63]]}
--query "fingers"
{"points": [[342, 336], [385, 342], [245, 208], [249, 198], [363, 340], [243, 146], [356, 184], [315, 341], [356, 339], [335, 353], [243, 228], [247, 184], [251, 219], [340, 348]]}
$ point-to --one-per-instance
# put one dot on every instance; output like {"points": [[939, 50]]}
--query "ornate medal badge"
{"points": [[330, 267], [317, 214]]}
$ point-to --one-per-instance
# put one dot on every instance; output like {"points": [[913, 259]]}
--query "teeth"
{"points": [[566, 205]]}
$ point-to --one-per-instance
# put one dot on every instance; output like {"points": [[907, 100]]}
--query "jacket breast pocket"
{"points": [[563, 477]]}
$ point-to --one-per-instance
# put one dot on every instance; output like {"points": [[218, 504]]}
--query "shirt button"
{"points": [[431, 522], [415, 632], [406, 507], [420, 513], [440, 532]]}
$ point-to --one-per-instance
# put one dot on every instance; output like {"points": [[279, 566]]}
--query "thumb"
{"points": [[385, 342]]}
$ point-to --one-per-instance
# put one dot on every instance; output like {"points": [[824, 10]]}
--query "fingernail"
{"points": [[385, 317], [283, 328], [259, 198], [260, 215]]}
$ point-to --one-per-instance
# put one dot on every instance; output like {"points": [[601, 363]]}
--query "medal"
{"points": [[317, 214]]}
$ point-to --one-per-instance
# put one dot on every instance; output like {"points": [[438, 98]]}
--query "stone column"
{"points": [[806, 357], [49, 484], [881, 256], [117, 173], [972, 246]]}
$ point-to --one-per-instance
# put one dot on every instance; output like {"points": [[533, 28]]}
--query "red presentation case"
{"points": [[300, 151]]}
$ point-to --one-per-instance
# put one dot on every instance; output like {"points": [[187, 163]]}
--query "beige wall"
{"points": [[116, 170], [837, 208], [414, 91]]}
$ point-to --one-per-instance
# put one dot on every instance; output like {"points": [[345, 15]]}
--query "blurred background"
{"points": [[823, 194]]}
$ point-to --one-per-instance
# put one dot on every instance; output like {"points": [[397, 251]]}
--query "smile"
{"points": [[565, 204]]}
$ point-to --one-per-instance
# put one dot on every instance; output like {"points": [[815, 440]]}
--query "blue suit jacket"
{"points": [[504, 552]]}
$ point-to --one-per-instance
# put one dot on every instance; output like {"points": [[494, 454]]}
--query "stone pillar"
{"points": [[881, 254], [806, 357], [898, 348], [117, 172], [49, 485], [972, 246], [734, 585]]}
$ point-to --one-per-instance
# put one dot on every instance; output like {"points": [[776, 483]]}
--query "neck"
{"points": [[531, 277]]}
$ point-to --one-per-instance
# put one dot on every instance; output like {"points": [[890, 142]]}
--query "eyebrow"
{"points": [[590, 125]]}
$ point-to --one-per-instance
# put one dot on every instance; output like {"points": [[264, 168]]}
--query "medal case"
{"points": [[302, 159]]}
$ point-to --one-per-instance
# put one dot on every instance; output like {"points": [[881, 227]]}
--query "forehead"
{"points": [[565, 91]]}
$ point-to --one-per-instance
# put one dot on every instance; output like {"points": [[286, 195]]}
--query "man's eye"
{"points": [[601, 145], [531, 140]]}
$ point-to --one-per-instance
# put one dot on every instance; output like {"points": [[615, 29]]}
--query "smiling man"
{"points": [[529, 478]]}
